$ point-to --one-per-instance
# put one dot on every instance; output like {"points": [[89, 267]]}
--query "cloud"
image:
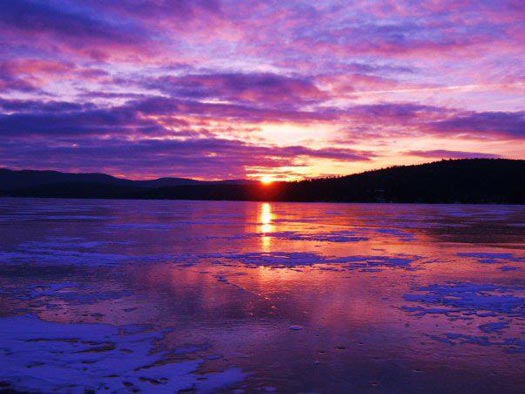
{"points": [[154, 116], [161, 117], [449, 154], [417, 118], [76, 28], [82, 123], [226, 111], [37, 106], [210, 157], [30, 75], [181, 10], [507, 124], [64, 135], [400, 112], [260, 88]]}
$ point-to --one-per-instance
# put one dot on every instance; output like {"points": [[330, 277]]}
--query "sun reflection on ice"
{"points": [[266, 226]]}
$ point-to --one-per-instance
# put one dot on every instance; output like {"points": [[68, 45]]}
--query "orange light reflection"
{"points": [[266, 226]]}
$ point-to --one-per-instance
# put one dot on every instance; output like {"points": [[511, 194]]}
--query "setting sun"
{"points": [[266, 180]]}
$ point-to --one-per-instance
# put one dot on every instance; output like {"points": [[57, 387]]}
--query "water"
{"points": [[161, 296]]}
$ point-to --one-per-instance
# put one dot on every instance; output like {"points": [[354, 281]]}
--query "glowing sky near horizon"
{"points": [[258, 89]]}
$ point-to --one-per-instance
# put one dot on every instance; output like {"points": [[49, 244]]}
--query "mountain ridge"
{"points": [[11, 180], [445, 181]]}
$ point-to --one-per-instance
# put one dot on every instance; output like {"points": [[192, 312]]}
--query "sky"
{"points": [[212, 89]]}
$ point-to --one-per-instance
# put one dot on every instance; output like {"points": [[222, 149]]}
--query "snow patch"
{"points": [[467, 299], [75, 358]]}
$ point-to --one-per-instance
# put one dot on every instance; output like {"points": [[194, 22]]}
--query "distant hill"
{"points": [[446, 181], [11, 180]]}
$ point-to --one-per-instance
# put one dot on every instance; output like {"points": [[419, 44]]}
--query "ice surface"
{"points": [[467, 299], [75, 358], [302, 259], [160, 296], [334, 236], [493, 327], [493, 258], [510, 345], [72, 251]]}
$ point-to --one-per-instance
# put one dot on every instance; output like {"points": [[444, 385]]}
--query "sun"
{"points": [[266, 180]]}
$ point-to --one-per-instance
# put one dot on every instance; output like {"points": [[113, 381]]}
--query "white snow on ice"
{"points": [[40, 356]]}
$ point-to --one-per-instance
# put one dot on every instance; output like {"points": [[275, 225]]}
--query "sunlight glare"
{"points": [[266, 180], [265, 219]]}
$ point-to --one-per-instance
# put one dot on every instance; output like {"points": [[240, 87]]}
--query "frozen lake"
{"points": [[162, 296]]}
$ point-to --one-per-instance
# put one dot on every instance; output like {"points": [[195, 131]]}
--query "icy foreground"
{"points": [[75, 358], [163, 296]]}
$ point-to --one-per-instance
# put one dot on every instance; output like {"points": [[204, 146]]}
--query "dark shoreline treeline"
{"points": [[447, 181]]}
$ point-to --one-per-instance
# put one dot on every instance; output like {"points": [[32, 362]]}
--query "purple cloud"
{"points": [[216, 158], [83, 123], [258, 88], [449, 154], [511, 124], [75, 26]]}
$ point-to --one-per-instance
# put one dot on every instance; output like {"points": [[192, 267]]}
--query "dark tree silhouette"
{"points": [[446, 181]]}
